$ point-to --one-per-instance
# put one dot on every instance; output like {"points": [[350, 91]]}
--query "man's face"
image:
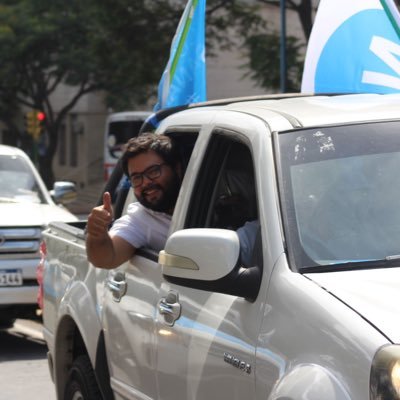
{"points": [[159, 193]]}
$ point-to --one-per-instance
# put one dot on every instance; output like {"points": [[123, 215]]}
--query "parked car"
{"points": [[26, 208], [314, 315]]}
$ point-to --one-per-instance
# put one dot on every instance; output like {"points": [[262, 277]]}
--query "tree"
{"points": [[263, 65], [38, 53], [304, 9], [140, 36], [263, 49], [117, 46], [9, 114]]}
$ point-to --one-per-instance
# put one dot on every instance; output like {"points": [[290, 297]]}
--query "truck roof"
{"points": [[316, 110], [302, 110]]}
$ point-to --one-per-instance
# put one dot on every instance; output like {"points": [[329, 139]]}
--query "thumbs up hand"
{"points": [[100, 218], [107, 203]]}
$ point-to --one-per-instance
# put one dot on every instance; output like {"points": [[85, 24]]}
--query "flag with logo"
{"points": [[354, 47], [184, 78]]}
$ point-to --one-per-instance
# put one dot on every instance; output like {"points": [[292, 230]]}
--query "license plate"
{"points": [[10, 277]]}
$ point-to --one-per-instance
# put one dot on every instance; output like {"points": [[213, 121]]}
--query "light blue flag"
{"points": [[354, 47], [184, 78]]}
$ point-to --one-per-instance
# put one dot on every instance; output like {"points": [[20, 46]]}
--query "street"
{"points": [[24, 372]]}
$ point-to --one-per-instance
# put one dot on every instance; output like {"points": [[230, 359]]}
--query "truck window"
{"points": [[185, 141], [224, 195]]}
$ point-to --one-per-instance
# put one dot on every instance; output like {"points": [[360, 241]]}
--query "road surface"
{"points": [[24, 373]]}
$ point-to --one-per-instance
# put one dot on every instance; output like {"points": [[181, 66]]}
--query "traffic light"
{"points": [[40, 118], [29, 120], [34, 123]]}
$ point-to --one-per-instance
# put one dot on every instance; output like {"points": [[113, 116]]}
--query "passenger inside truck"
{"points": [[236, 196], [120, 187], [233, 199]]}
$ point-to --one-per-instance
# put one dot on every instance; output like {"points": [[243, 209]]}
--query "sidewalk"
{"points": [[87, 198]]}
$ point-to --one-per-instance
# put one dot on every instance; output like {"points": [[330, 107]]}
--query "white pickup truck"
{"points": [[315, 315], [26, 207]]}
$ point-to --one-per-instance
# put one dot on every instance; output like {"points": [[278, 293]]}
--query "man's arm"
{"points": [[104, 251]]}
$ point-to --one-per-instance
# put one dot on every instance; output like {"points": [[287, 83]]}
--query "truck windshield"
{"points": [[340, 190], [17, 182]]}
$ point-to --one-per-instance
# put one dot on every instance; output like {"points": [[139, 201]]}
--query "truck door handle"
{"points": [[170, 308], [117, 286]]}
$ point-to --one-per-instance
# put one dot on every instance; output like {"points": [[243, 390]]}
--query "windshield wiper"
{"points": [[387, 262]]}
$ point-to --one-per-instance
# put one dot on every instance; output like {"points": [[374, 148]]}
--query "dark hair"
{"points": [[160, 144]]}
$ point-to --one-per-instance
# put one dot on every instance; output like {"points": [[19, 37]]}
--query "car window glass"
{"points": [[17, 182], [340, 188], [225, 196]]}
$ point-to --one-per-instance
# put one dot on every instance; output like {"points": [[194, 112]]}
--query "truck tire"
{"points": [[81, 383]]}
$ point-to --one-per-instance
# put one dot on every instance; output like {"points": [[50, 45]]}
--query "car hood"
{"points": [[26, 214], [374, 294]]}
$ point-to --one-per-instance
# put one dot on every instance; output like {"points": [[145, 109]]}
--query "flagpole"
{"points": [[392, 12], [283, 46]]}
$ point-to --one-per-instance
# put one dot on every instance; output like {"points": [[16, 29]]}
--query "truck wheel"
{"points": [[81, 383]]}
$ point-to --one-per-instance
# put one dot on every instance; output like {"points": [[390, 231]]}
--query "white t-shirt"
{"points": [[142, 227]]}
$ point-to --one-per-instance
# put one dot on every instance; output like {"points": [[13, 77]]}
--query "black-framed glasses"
{"points": [[152, 172]]}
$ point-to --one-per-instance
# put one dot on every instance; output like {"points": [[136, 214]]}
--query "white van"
{"points": [[119, 128]]}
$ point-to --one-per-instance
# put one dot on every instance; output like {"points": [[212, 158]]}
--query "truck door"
{"points": [[129, 309], [206, 341]]}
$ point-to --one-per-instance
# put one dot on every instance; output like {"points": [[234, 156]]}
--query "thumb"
{"points": [[107, 202]]}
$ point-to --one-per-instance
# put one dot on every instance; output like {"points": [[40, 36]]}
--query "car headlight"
{"points": [[385, 374]]}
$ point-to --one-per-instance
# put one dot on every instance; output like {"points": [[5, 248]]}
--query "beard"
{"points": [[166, 202]]}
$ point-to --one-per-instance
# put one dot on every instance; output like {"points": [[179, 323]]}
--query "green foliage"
{"points": [[132, 40], [264, 61], [117, 46], [130, 43], [228, 22], [43, 43]]}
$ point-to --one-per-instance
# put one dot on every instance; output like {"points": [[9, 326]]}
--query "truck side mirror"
{"points": [[209, 259], [63, 192]]}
